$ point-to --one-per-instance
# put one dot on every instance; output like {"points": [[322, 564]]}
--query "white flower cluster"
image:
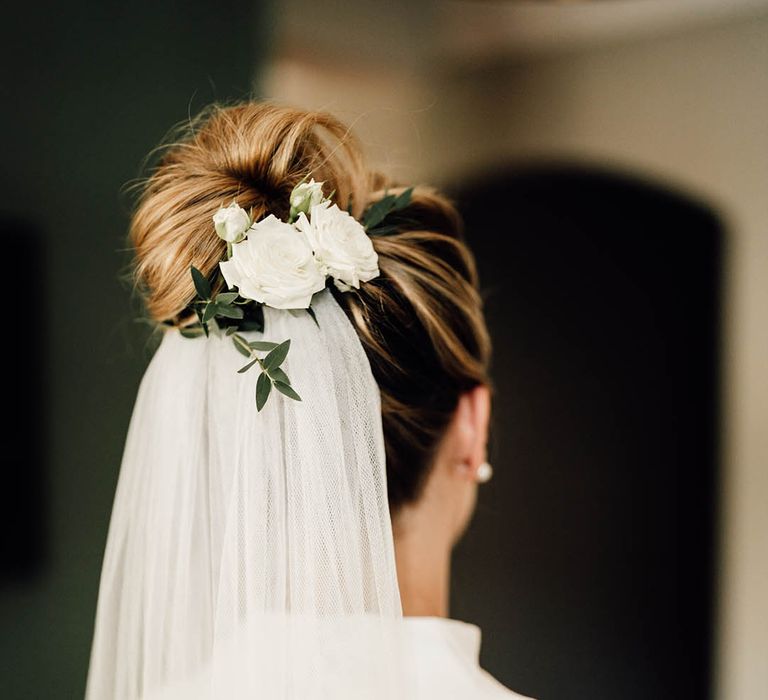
{"points": [[283, 264]]}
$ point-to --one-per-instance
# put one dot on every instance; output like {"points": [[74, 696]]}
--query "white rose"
{"points": [[342, 247], [231, 223], [304, 196], [274, 265]]}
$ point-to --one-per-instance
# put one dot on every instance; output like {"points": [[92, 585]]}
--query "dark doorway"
{"points": [[590, 563]]}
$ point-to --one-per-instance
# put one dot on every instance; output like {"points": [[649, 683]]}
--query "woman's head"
{"points": [[420, 322]]}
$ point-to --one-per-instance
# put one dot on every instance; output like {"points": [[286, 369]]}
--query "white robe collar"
{"points": [[448, 667]]}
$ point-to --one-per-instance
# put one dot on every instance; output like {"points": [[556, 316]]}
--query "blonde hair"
{"points": [[420, 322]]}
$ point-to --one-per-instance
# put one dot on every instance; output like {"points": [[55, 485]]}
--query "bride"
{"points": [[307, 440]]}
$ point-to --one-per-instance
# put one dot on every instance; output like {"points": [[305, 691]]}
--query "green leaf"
{"points": [[403, 200], [242, 345], [263, 387], [278, 375], [378, 210], [262, 345], [287, 389], [228, 311], [202, 285], [192, 331], [311, 312], [230, 330], [209, 312], [276, 356], [226, 297], [247, 367]]}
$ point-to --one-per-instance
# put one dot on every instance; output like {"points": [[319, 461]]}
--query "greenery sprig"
{"points": [[218, 313], [271, 373]]}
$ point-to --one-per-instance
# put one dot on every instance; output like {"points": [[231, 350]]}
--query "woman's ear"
{"points": [[471, 429]]}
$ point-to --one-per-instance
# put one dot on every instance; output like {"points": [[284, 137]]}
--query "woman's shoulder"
{"points": [[447, 664]]}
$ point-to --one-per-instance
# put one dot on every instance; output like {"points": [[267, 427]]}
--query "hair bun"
{"points": [[253, 154]]}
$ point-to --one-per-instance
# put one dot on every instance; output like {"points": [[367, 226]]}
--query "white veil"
{"points": [[250, 555]]}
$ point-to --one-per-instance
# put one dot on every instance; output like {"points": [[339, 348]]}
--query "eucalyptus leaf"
{"points": [[287, 389], [403, 200], [378, 210], [202, 285], [277, 356], [192, 331], [226, 297], [228, 311], [230, 330], [209, 312], [263, 387], [262, 345], [242, 345], [247, 367], [278, 375]]}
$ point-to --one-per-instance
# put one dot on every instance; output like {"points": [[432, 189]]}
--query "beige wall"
{"points": [[690, 109]]}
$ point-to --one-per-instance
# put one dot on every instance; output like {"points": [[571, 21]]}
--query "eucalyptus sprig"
{"points": [[271, 372], [225, 305]]}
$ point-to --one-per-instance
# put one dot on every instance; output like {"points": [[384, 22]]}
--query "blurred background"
{"points": [[611, 160]]}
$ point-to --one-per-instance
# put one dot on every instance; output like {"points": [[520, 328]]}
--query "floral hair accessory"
{"points": [[282, 264]]}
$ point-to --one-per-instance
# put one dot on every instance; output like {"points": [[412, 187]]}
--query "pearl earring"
{"points": [[484, 473]]}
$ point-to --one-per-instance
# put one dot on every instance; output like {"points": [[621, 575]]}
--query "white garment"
{"points": [[439, 661], [446, 662]]}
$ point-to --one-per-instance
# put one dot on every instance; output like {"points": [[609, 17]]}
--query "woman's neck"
{"points": [[423, 568]]}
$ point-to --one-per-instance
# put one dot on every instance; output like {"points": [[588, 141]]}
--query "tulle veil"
{"points": [[250, 554]]}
